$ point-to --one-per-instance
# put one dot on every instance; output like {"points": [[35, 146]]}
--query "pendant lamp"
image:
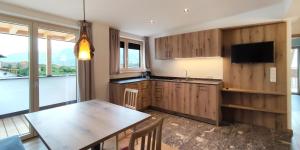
{"points": [[84, 49]]}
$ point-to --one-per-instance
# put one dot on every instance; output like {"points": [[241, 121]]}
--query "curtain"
{"points": [[114, 51], [85, 70], [147, 54]]}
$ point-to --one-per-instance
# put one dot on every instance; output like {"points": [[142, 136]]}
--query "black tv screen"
{"points": [[262, 52]]}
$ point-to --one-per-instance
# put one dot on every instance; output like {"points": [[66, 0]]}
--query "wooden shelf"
{"points": [[251, 91], [252, 108]]}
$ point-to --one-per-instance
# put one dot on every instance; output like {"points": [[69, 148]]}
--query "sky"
{"points": [[16, 48]]}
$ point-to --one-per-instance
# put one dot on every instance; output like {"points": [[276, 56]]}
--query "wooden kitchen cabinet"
{"points": [[161, 94], [175, 46], [145, 93], [198, 100], [161, 48], [196, 44], [205, 101], [168, 47], [116, 93], [177, 97], [212, 43], [193, 99], [186, 50]]}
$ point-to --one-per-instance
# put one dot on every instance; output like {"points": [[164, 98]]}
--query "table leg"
{"points": [[117, 142], [97, 147]]}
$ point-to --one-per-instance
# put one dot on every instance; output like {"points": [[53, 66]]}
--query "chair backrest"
{"points": [[149, 137], [130, 98]]}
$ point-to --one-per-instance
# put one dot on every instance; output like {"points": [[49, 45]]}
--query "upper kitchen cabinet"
{"points": [[196, 44], [161, 48], [212, 43], [187, 45], [168, 47]]}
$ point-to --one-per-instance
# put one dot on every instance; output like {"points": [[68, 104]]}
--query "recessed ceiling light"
{"points": [[152, 21], [186, 10]]}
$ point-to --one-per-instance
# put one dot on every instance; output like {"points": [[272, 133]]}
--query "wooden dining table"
{"points": [[82, 125]]}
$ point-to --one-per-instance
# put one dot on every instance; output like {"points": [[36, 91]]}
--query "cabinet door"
{"points": [[199, 100], [195, 100], [195, 44], [157, 95], [212, 43], [186, 51], [174, 44], [177, 97], [213, 102], [187, 98], [145, 91], [157, 48], [166, 104], [204, 101], [116, 93], [161, 51], [164, 48], [201, 36]]}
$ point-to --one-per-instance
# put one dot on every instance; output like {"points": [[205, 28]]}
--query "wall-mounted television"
{"points": [[261, 52]]}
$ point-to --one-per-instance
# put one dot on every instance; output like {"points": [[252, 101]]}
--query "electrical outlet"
{"points": [[273, 74]]}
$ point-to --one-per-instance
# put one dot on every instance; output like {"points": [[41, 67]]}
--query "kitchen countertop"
{"points": [[168, 79]]}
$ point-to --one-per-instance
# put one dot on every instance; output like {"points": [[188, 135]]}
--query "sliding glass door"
{"points": [[15, 41], [295, 86], [57, 67], [37, 71]]}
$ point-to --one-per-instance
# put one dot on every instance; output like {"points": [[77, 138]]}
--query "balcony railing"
{"points": [[14, 93]]}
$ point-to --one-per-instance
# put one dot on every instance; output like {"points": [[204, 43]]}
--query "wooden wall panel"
{"points": [[256, 77]]}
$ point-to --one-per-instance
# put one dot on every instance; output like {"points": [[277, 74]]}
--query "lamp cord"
{"points": [[84, 10]]}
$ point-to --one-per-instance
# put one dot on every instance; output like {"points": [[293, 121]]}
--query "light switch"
{"points": [[273, 74]]}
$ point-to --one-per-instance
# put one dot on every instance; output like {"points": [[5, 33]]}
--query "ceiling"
{"points": [[133, 16]]}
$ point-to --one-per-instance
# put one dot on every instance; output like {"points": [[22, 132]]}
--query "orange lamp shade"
{"points": [[84, 52]]}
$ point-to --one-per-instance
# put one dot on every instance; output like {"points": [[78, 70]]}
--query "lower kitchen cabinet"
{"points": [[193, 99], [116, 93], [177, 97], [160, 94]]}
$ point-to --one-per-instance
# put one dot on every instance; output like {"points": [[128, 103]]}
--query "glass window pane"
{"points": [[57, 68], [134, 55], [42, 48], [14, 78], [294, 71], [122, 48], [63, 58]]}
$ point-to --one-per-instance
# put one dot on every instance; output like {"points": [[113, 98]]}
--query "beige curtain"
{"points": [[114, 51], [85, 71], [147, 54]]}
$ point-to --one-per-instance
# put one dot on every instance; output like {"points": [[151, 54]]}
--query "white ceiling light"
{"points": [[186, 10], [152, 21]]}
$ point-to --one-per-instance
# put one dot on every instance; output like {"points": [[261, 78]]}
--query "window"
{"points": [[131, 55]]}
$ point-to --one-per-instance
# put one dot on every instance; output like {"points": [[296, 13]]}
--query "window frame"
{"points": [[125, 68]]}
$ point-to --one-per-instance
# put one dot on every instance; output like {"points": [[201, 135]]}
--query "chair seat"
{"points": [[11, 143]]}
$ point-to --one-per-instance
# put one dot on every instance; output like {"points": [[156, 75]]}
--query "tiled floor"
{"points": [[16, 125], [186, 134]]}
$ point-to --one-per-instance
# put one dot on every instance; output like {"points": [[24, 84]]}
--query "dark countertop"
{"points": [[167, 79]]}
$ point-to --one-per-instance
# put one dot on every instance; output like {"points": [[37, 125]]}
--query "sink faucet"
{"points": [[186, 75]]}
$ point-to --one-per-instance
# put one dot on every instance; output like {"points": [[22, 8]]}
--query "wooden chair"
{"points": [[149, 137], [129, 101], [130, 98]]}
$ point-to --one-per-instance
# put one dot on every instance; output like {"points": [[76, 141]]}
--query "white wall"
{"points": [[196, 67], [296, 27], [101, 60]]}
